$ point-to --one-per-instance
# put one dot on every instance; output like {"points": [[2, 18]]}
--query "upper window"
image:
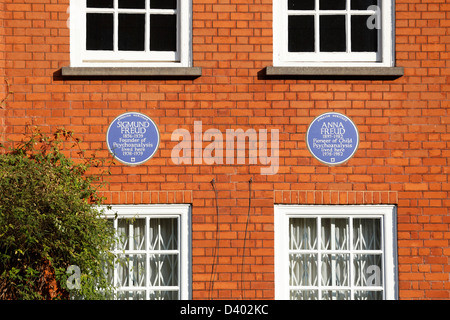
{"points": [[153, 252], [335, 253], [333, 33], [130, 33]]}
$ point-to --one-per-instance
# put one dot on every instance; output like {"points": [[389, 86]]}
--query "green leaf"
{"points": [[48, 220]]}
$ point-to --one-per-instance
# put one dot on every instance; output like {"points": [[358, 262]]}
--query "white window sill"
{"points": [[160, 72], [335, 72]]}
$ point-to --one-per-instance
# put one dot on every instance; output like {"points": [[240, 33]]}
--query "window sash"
{"points": [[142, 285], [81, 57], [349, 55], [284, 287], [145, 257], [147, 54], [344, 250], [282, 57]]}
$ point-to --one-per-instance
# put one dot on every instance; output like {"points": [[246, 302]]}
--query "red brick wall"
{"points": [[403, 157], [3, 81]]}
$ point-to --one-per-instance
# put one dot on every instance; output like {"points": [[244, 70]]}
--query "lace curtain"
{"points": [[144, 267], [335, 258]]}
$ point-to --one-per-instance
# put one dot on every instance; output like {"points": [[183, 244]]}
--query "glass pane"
{"points": [[138, 237], [301, 4], [123, 233], [334, 269], [301, 33], [364, 39], [304, 295], [111, 225], [303, 269], [131, 295], [163, 234], [138, 270], [100, 3], [332, 4], [362, 4], [163, 4], [99, 31], [132, 4], [132, 32], [368, 295], [336, 295], [130, 270], [163, 270], [367, 234], [163, 295], [367, 270], [139, 234], [334, 234], [303, 234], [163, 32], [332, 33]]}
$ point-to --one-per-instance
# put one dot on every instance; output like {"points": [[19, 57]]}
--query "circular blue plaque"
{"points": [[133, 138], [332, 138]]}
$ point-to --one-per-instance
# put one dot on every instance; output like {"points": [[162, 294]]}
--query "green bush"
{"points": [[49, 221]]}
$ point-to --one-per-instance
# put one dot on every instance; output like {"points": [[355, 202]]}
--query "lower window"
{"points": [[153, 252], [335, 253]]}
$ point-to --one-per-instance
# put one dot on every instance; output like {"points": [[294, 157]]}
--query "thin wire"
{"points": [[245, 236], [216, 249]]}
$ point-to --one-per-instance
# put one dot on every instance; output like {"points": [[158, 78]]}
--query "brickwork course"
{"points": [[404, 124]]}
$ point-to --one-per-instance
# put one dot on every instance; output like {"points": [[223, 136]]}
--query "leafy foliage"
{"points": [[49, 220]]}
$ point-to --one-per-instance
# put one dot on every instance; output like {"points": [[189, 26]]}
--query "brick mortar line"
{"points": [[312, 197], [121, 197]]}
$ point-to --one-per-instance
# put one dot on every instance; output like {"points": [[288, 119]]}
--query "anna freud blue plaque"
{"points": [[332, 138], [133, 138]]}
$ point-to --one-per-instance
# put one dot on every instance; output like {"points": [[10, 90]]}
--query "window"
{"points": [[153, 252], [335, 252], [333, 33], [128, 33]]}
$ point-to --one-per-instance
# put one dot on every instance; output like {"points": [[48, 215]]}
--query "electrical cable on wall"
{"points": [[216, 249], [245, 235]]}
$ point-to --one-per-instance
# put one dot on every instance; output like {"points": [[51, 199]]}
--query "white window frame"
{"points": [[180, 211], [282, 58], [80, 57], [387, 214]]}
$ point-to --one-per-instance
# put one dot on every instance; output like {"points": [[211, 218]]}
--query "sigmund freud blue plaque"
{"points": [[332, 138], [133, 138]]}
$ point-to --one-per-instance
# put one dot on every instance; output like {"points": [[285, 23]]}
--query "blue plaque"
{"points": [[133, 138], [332, 138]]}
